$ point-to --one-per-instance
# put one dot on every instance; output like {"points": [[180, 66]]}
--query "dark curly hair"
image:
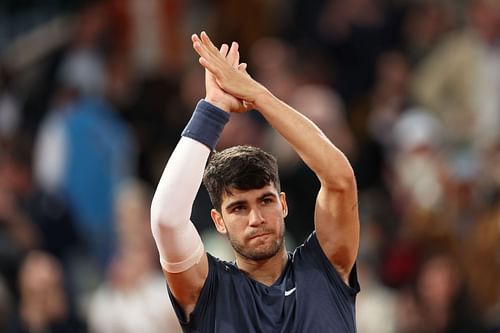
{"points": [[241, 168]]}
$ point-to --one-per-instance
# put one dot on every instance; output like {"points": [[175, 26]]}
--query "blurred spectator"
{"points": [[42, 218], [18, 233], [133, 297], [480, 256], [419, 170], [416, 175], [36, 218], [435, 193], [43, 304], [441, 297], [376, 307], [79, 25], [84, 149], [460, 80]]}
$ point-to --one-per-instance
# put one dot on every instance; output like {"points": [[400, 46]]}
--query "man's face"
{"points": [[253, 221]]}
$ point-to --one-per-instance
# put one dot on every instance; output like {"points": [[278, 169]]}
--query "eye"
{"points": [[267, 201], [238, 208]]}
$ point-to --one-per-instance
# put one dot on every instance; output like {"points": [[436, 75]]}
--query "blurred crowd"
{"points": [[94, 95]]}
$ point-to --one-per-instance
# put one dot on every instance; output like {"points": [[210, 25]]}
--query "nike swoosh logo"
{"points": [[289, 292]]}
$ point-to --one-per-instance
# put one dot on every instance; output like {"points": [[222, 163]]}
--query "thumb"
{"points": [[243, 67]]}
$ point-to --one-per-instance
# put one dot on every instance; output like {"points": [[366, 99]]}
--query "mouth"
{"points": [[261, 235]]}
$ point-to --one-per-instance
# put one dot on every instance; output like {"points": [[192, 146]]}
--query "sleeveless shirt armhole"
{"points": [[353, 288], [203, 299]]}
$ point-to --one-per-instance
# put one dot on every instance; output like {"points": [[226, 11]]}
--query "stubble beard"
{"points": [[261, 253]]}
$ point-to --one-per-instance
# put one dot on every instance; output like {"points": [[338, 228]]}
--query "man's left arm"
{"points": [[336, 217]]}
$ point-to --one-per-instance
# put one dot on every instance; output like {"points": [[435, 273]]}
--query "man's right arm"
{"points": [[182, 255]]}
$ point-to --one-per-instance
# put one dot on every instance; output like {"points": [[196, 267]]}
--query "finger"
{"points": [[210, 56], [197, 43], [243, 68], [223, 50], [233, 56], [210, 47], [204, 36], [202, 47], [206, 49]]}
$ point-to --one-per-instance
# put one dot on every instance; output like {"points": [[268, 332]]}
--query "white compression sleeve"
{"points": [[177, 239]]}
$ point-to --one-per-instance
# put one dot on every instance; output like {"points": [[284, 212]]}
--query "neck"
{"points": [[265, 271]]}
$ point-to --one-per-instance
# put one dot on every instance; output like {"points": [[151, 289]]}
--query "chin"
{"points": [[260, 252]]}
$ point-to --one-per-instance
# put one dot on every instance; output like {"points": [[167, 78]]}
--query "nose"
{"points": [[255, 217]]}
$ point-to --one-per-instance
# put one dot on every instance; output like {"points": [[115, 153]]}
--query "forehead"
{"points": [[236, 194]]}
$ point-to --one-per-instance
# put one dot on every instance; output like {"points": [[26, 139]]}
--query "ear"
{"points": [[284, 205], [218, 221]]}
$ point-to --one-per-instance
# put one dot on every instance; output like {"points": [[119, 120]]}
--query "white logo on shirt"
{"points": [[289, 292]]}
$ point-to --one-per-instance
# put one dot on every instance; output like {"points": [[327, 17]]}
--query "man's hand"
{"points": [[230, 76], [214, 94]]}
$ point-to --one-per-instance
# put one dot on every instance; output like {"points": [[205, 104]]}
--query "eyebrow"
{"points": [[267, 194], [240, 202], [234, 204]]}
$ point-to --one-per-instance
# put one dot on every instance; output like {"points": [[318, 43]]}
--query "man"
{"points": [[265, 289]]}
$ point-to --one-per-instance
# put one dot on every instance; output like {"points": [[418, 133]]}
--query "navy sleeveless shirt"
{"points": [[310, 296]]}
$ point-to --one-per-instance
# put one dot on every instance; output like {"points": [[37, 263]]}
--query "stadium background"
{"points": [[94, 94]]}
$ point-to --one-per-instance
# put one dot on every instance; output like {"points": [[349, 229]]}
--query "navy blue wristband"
{"points": [[206, 124]]}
